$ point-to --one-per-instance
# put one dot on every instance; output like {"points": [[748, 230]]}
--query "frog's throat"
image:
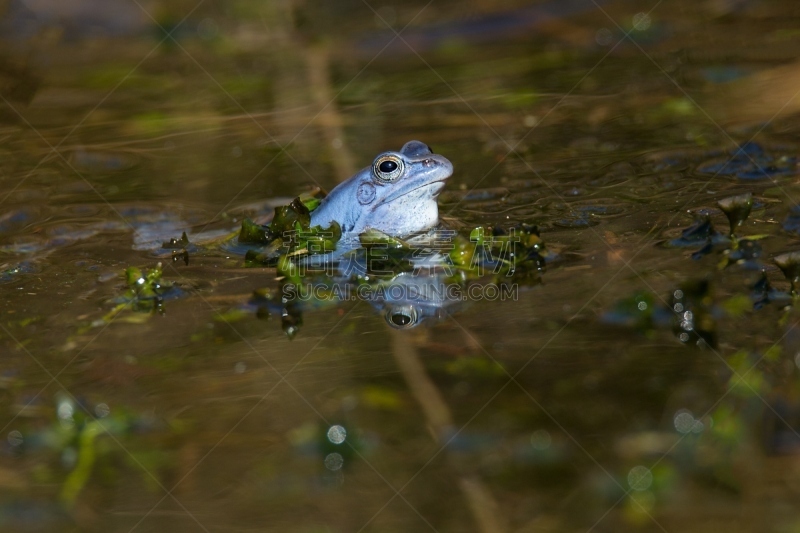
{"points": [[400, 194]]}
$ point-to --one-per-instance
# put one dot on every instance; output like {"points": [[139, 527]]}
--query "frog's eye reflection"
{"points": [[388, 167], [402, 317]]}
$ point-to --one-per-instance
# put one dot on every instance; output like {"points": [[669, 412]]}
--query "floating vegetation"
{"points": [[516, 252], [700, 233], [145, 293], [763, 293], [172, 244], [737, 209], [252, 233], [289, 233], [790, 266], [746, 252], [743, 251], [409, 279], [179, 248]]}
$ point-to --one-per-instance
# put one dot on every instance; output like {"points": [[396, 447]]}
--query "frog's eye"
{"points": [[388, 167]]}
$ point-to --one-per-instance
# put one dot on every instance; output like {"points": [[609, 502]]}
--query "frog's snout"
{"points": [[444, 164], [437, 166]]}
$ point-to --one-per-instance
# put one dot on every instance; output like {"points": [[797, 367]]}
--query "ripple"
{"points": [[653, 187], [576, 221], [98, 161], [792, 221], [18, 218], [9, 273], [27, 195], [68, 233], [475, 195], [750, 162], [522, 183], [525, 197], [73, 187], [585, 213], [28, 245], [81, 210], [610, 180], [675, 160], [601, 208]]}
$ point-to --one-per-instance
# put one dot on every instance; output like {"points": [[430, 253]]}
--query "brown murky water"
{"points": [[649, 382]]}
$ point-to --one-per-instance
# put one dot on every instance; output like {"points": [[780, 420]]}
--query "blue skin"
{"points": [[395, 195]]}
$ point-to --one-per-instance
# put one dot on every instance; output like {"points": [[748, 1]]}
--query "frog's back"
{"points": [[340, 206]]}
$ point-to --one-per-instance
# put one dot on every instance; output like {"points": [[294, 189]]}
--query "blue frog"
{"points": [[396, 194]]}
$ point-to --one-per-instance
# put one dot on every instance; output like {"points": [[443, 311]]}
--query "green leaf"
{"points": [[253, 233]]}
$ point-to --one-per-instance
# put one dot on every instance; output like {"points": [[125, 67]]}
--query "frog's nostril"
{"points": [[429, 148]]}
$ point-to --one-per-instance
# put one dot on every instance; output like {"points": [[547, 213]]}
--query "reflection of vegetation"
{"points": [[151, 123], [318, 439], [693, 311], [690, 313], [76, 437], [381, 397], [475, 367]]}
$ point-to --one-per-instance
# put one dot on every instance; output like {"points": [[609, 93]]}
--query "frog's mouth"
{"points": [[437, 187]]}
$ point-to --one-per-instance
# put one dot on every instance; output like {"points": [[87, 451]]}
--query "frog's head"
{"points": [[398, 193]]}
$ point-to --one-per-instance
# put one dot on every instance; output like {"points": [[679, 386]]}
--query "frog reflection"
{"points": [[405, 300], [410, 300]]}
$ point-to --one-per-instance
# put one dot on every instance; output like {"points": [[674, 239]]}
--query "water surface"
{"points": [[590, 402]]}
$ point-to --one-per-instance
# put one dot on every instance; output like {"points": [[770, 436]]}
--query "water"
{"points": [[649, 382]]}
